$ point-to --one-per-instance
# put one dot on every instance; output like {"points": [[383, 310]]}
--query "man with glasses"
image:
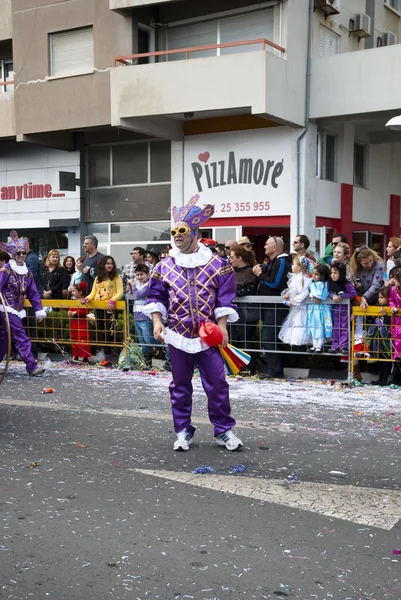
{"points": [[187, 288], [328, 253], [272, 278], [16, 284], [228, 246], [301, 245]]}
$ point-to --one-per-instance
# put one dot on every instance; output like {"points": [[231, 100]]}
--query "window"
{"points": [[129, 164], [71, 52], [326, 156], [234, 28], [6, 74], [329, 42], [359, 165], [395, 4]]}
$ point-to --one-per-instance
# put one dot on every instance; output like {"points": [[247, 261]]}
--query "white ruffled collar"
{"points": [[20, 269], [198, 258]]}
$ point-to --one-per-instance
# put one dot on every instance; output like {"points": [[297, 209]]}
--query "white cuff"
{"points": [[189, 345], [222, 311], [40, 314], [153, 307]]}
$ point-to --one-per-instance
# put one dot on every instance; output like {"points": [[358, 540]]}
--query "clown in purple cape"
{"points": [[188, 287], [16, 284]]}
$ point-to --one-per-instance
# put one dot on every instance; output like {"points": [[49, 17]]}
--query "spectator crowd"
{"points": [[298, 300]]}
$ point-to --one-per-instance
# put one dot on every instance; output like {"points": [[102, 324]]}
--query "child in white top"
{"points": [[293, 330]]}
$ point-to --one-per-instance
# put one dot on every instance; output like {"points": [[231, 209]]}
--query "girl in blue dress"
{"points": [[318, 317]]}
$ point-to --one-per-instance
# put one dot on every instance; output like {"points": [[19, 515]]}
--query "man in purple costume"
{"points": [[188, 287], [16, 283]]}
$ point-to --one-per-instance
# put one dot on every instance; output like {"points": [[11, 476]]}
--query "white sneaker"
{"points": [[229, 440], [183, 441]]}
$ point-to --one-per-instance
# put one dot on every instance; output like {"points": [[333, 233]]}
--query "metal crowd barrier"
{"points": [[375, 337], [91, 326]]}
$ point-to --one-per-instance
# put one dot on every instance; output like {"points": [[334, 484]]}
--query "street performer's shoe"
{"points": [[183, 441], [229, 440], [38, 371]]}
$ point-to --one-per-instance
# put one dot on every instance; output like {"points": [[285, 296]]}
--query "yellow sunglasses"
{"points": [[180, 231]]}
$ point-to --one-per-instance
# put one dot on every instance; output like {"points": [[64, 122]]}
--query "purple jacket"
{"points": [[193, 295], [15, 288]]}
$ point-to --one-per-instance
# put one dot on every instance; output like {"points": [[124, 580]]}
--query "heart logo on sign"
{"points": [[204, 156]]}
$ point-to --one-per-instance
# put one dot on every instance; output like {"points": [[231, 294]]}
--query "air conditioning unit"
{"points": [[362, 25], [330, 7], [389, 38]]}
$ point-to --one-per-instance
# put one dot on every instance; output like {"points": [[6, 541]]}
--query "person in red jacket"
{"points": [[79, 330]]}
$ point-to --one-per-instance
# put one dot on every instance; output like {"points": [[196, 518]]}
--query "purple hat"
{"points": [[15, 245], [193, 215]]}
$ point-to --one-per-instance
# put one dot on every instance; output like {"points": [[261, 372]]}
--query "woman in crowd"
{"points": [[366, 269], [393, 245], [69, 265], [107, 287], [152, 257], [242, 331], [341, 253], [54, 277], [77, 276]]}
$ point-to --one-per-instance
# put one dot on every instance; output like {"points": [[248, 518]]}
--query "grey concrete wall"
{"points": [[5, 20]]}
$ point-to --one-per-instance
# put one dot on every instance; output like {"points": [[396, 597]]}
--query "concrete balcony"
{"points": [[5, 20], [156, 98], [356, 83], [121, 4], [7, 115]]}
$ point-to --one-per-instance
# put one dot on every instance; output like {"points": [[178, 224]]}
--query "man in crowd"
{"points": [[228, 246], [138, 256], [272, 278], [92, 256], [190, 287], [328, 253], [245, 242], [301, 245]]}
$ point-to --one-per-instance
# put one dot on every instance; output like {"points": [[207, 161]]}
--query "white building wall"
{"points": [[24, 164]]}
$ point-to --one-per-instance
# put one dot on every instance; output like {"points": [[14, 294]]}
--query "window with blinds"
{"points": [[236, 28], [71, 52], [329, 42]]}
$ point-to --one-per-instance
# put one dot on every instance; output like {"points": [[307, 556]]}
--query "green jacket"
{"points": [[328, 255]]}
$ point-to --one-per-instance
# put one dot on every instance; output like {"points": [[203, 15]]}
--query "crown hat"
{"points": [[15, 244], [192, 215]]}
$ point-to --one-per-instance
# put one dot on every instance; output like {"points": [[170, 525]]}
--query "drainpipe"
{"points": [[307, 111]]}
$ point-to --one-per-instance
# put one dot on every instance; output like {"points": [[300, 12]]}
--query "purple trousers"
{"points": [[20, 339], [340, 326], [211, 370]]}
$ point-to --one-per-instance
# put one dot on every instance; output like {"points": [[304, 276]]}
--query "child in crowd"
{"points": [[318, 323], [378, 338], [340, 289], [108, 287], [79, 330], [395, 305], [293, 330], [143, 325]]}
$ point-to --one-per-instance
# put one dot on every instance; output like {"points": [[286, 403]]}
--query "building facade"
{"points": [[275, 111]]}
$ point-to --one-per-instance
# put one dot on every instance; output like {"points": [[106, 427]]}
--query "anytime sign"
{"points": [[243, 173]]}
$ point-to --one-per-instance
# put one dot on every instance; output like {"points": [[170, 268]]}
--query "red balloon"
{"points": [[210, 333]]}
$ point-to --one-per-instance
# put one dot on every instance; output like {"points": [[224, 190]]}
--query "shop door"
{"points": [[259, 235], [378, 244], [361, 238]]}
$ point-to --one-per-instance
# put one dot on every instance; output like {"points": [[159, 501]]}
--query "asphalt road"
{"points": [[96, 505]]}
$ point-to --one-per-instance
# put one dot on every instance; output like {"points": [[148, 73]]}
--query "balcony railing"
{"points": [[4, 84], [124, 60]]}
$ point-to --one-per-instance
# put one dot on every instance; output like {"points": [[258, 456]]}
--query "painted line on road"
{"points": [[121, 412], [365, 506]]}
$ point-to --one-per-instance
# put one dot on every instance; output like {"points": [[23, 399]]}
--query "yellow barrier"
{"points": [[371, 336], [68, 322]]}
